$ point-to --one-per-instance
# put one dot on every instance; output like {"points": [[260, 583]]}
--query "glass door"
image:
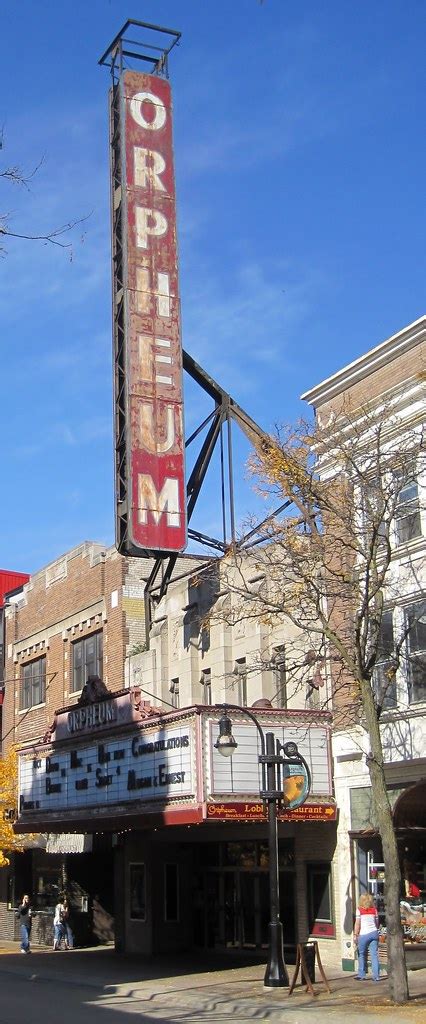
{"points": [[249, 901]]}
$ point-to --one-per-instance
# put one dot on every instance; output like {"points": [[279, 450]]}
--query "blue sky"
{"points": [[300, 154]]}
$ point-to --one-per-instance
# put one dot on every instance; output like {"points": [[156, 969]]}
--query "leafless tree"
{"points": [[328, 570]]}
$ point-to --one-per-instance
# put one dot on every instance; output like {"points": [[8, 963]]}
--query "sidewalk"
{"points": [[167, 988]]}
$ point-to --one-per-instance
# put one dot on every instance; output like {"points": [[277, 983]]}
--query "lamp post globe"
{"points": [[226, 744]]}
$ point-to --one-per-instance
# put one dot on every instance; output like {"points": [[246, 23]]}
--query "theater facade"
{"points": [[184, 829]]}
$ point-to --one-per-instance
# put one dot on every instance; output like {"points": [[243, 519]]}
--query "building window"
{"points": [[384, 678], [171, 892], [86, 659], [33, 683], [374, 508], [174, 693], [407, 513], [240, 671], [280, 676], [206, 683], [415, 628], [137, 892], [320, 907]]}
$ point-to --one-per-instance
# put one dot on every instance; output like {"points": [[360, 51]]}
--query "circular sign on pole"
{"points": [[296, 784]]}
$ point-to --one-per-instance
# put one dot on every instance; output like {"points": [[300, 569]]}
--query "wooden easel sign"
{"points": [[302, 966]]}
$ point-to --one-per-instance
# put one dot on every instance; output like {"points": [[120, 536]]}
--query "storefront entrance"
{"points": [[231, 900], [86, 878], [410, 829]]}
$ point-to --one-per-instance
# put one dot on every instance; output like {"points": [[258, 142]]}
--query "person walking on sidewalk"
{"points": [[59, 931], [366, 937], [24, 915], [69, 935]]}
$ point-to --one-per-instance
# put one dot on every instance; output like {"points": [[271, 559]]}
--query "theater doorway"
{"points": [[231, 900]]}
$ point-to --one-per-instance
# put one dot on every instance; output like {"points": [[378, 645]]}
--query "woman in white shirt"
{"points": [[366, 936], [58, 925]]}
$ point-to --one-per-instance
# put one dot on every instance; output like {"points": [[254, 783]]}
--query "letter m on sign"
{"points": [[159, 505]]}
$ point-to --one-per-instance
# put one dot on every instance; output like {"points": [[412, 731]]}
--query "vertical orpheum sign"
{"points": [[150, 479]]}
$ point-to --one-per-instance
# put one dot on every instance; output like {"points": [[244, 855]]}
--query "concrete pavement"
{"points": [[182, 988]]}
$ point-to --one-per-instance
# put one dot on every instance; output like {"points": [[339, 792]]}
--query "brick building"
{"points": [[10, 582], [391, 379], [82, 614]]}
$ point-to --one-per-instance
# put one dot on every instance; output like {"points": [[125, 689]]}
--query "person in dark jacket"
{"points": [[69, 935], [24, 915]]}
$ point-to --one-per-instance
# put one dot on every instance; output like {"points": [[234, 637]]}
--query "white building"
{"points": [[390, 377]]}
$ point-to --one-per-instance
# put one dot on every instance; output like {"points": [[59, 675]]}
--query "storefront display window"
{"points": [[372, 878], [241, 855], [286, 853], [255, 854]]}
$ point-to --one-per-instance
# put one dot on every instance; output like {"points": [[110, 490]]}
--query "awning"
{"points": [[68, 842]]}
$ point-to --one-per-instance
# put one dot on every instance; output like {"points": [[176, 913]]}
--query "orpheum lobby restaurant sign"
{"points": [[117, 760]]}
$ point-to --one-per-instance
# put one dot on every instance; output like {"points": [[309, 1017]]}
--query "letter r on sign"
{"points": [[148, 166]]}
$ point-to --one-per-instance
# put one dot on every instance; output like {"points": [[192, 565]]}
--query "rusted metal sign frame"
{"points": [[225, 412], [149, 465], [118, 52], [220, 421]]}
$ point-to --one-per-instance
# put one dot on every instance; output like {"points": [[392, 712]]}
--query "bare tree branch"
{"points": [[52, 237], [15, 175]]}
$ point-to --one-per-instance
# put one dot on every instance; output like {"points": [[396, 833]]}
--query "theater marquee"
{"points": [[150, 479], [152, 766], [118, 760]]}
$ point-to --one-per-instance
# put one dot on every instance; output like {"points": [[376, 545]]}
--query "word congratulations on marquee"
{"points": [[108, 772]]}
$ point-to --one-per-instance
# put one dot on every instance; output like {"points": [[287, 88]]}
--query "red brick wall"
{"points": [[46, 622], [87, 590]]}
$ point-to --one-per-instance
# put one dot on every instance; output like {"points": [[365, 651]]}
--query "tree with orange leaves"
{"points": [[9, 842]]}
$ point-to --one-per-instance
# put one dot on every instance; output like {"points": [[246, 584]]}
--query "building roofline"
{"points": [[366, 364], [13, 572]]}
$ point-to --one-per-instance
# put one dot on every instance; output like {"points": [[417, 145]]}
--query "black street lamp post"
{"points": [[271, 761]]}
